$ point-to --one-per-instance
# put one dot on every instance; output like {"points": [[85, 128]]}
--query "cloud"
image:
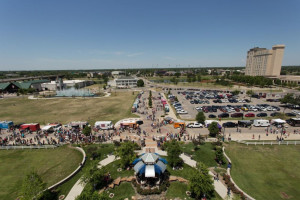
{"points": [[135, 54]]}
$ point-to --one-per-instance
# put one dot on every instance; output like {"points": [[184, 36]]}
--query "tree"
{"points": [[200, 117], [219, 155], [89, 194], [94, 176], [288, 98], [250, 93], [126, 154], [140, 83], [87, 130], [150, 99], [213, 129], [174, 151], [177, 74], [235, 92], [32, 186], [199, 78], [200, 183], [76, 86]]}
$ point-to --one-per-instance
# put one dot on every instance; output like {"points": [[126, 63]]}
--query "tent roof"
{"points": [[138, 166], [162, 166], [149, 158], [149, 172]]}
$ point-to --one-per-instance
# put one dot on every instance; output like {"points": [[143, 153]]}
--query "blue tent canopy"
{"points": [[136, 161], [140, 164], [163, 160]]}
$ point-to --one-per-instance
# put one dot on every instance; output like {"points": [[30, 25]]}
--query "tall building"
{"points": [[264, 62]]}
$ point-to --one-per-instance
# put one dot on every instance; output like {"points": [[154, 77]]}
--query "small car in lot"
{"points": [[229, 125], [223, 115], [275, 114], [212, 116], [262, 115], [237, 115], [195, 125], [290, 114], [250, 115]]}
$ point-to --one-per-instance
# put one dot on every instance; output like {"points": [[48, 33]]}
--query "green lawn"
{"points": [[266, 172], [178, 190], [184, 173], [123, 191], [205, 153], [65, 110], [51, 164], [112, 168]]}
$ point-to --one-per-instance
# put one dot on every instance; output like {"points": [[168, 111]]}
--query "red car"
{"points": [[250, 115]]}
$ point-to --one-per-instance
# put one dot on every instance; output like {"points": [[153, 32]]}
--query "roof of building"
{"points": [[126, 78], [27, 84], [3, 86]]}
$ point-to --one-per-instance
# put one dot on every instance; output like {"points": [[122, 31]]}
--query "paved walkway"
{"points": [[219, 187], [78, 187]]}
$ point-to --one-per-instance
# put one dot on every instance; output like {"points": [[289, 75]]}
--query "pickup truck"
{"points": [[195, 125]]}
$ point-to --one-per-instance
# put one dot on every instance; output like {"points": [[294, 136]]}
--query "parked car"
{"points": [[195, 125], [223, 115], [290, 114], [212, 116], [250, 115], [237, 115], [275, 114], [230, 125], [262, 115]]}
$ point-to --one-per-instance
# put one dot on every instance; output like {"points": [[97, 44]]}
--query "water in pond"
{"points": [[72, 92]]}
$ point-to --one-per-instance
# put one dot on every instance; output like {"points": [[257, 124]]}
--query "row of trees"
{"points": [[252, 80], [150, 99]]}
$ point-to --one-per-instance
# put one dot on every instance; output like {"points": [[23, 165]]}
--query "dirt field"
{"points": [[64, 110]]}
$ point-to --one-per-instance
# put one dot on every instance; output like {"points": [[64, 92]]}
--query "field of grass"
{"points": [[178, 190], [205, 153], [266, 172], [123, 191], [51, 164], [64, 110]]}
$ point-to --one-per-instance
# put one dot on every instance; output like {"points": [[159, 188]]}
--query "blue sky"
{"points": [[75, 34]]}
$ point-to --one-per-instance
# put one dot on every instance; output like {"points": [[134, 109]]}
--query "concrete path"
{"points": [[219, 187], [78, 187]]}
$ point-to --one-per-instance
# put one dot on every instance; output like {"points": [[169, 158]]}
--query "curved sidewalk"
{"points": [[78, 187], [219, 187]]}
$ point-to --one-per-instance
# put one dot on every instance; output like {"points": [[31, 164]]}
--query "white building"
{"points": [[117, 74], [61, 85], [123, 82]]}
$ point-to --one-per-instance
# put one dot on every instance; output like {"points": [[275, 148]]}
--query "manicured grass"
{"points": [[64, 110], [184, 173], [123, 191], [112, 168], [266, 172], [177, 190], [205, 153], [51, 164]]}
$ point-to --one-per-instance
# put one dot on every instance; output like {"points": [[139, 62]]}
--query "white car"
{"points": [[182, 112], [195, 125]]}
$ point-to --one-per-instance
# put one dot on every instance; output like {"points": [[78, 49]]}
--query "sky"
{"points": [[101, 34]]}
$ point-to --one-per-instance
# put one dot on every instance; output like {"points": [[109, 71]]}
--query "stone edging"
{"points": [[74, 172], [228, 172]]}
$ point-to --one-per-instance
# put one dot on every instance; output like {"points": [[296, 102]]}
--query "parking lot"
{"points": [[193, 101]]}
